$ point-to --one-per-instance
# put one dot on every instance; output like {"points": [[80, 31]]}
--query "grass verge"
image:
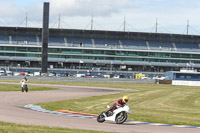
{"points": [[179, 105], [17, 128], [10, 87]]}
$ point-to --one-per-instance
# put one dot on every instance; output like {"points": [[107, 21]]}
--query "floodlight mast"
{"points": [[188, 25], [45, 37], [156, 30]]}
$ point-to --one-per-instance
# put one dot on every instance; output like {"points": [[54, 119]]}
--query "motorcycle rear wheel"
{"points": [[121, 117], [101, 118]]}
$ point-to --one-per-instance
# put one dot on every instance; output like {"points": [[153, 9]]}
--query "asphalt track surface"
{"points": [[12, 110]]}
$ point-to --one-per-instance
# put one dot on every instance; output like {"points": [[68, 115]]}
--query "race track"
{"points": [[12, 110]]}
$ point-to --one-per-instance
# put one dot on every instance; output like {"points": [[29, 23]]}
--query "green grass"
{"points": [[10, 87], [17, 128], [152, 103]]}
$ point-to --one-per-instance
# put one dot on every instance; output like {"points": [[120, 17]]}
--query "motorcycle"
{"points": [[25, 88], [119, 115]]}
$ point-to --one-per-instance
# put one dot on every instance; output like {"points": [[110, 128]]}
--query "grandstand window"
{"points": [[33, 50], [10, 48], [142, 54], [88, 52], [186, 55], [173, 55], [196, 56], [98, 52], [22, 49], [89, 57], [24, 55], [188, 77], [131, 53], [76, 57], [110, 52], [167, 55], [100, 58], [52, 50], [150, 54], [183, 61], [2, 48], [173, 61], [31, 55]]}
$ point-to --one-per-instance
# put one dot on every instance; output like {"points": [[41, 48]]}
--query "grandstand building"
{"points": [[102, 50]]}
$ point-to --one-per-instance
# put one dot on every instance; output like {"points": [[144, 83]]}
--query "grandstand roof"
{"points": [[102, 34]]}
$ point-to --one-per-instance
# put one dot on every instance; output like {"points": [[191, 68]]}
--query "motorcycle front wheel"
{"points": [[121, 117], [101, 118]]}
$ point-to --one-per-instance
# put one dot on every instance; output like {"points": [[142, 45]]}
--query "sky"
{"points": [[140, 15]]}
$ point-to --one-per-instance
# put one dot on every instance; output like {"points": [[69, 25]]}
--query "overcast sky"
{"points": [[140, 15]]}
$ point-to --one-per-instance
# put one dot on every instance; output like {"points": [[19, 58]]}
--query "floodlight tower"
{"points": [[188, 27], [45, 37]]}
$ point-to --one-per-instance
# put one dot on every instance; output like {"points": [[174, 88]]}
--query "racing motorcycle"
{"points": [[119, 115], [25, 88]]}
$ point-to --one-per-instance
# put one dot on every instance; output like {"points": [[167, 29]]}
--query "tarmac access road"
{"points": [[12, 110]]}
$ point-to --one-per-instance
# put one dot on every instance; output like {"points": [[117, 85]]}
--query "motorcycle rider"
{"points": [[23, 83], [120, 103]]}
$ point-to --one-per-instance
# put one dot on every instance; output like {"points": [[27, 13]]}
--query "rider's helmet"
{"points": [[125, 99], [25, 78]]}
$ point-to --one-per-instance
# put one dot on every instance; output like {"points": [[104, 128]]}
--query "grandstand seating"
{"points": [[100, 43], [187, 46], [4, 39], [134, 44], [165, 46], [23, 40], [106, 43], [79, 42], [56, 41]]}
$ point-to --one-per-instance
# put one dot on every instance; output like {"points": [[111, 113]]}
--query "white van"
{"points": [[2, 73], [9, 73], [80, 75]]}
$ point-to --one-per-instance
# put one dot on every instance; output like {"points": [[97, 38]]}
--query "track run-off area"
{"points": [[12, 110]]}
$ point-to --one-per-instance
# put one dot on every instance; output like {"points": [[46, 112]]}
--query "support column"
{"points": [[45, 37]]}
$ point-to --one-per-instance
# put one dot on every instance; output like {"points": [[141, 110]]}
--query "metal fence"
{"points": [[74, 79]]}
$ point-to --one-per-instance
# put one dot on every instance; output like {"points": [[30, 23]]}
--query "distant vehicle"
{"points": [[144, 77], [2, 73], [159, 77], [80, 75], [51, 74], [9, 73], [108, 75], [36, 74], [16, 73], [139, 76], [29, 74], [116, 77], [64, 74], [22, 74], [88, 76], [58, 75]]}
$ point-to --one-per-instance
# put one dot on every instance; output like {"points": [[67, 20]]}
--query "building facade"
{"points": [[99, 50]]}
